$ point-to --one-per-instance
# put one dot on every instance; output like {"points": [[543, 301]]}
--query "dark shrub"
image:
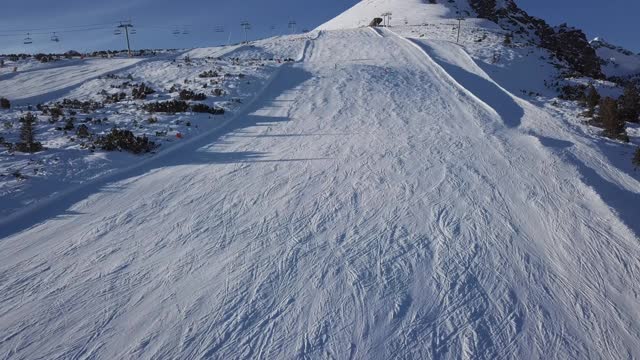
{"points": [[636, 158], [124, 140], [630, 104], [571, 92], [83, 131], [68, 124], [5, 103], [43, 58], [27, 142], [218, 92], [141, 91], [609, 118], [190, 95], [115, 98], [173, 106], [75, 104], [56, 112], [202, 108], [208, 74]]}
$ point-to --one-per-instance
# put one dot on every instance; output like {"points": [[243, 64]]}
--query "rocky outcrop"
{"points": [[566, 43], [570, 44]]}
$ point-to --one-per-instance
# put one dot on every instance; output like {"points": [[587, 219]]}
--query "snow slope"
{"points": [[367, 206], [24, 87], [69, 160]]}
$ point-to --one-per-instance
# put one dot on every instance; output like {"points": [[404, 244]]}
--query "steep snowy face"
{"points": [[616, 61]]}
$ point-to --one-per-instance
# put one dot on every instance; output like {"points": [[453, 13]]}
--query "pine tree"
{"points": [[508, 40], [636, 158], [630, 104], [592, 100], [609, 117], [27, 135], [5, 103]]}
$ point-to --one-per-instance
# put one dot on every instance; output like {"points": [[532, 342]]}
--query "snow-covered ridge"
{"points": [[617, 61]]}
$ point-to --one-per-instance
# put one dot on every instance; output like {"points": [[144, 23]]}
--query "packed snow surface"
{"points": [[382, 197]]}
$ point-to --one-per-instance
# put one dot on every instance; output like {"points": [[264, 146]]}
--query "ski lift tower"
{"points": [[292, 26], [459, 27], [125, 25], [387, 18], [246, 26]]}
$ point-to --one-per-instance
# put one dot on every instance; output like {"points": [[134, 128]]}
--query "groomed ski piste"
{"points": [[382, 197]]}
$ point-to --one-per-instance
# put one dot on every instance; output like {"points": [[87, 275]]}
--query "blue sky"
{"points": [[155, 20]]}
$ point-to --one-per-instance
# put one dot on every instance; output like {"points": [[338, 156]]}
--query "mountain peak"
{"points": [[616, 60]]}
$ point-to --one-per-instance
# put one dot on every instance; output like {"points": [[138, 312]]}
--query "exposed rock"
{"points": [[566, 43], [571, 45], [375, 22]]}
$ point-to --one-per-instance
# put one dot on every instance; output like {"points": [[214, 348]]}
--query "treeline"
{"points": [[607, 113], [42, 57]]}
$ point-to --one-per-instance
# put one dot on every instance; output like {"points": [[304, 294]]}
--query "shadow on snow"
{"points": [[193, 152]]}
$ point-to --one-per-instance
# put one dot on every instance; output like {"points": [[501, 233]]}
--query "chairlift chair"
{"points": [[55, 38], [117, 32], [28, 39], [176, 32]]}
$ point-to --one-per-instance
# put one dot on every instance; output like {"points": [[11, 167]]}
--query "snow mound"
{"points": [[405, 12], [280, 47]]}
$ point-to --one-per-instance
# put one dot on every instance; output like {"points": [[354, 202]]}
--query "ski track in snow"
{"points": [[383, 199]]}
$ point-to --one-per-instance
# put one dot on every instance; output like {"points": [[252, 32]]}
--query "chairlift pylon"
{"points": [[28, 39]]}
